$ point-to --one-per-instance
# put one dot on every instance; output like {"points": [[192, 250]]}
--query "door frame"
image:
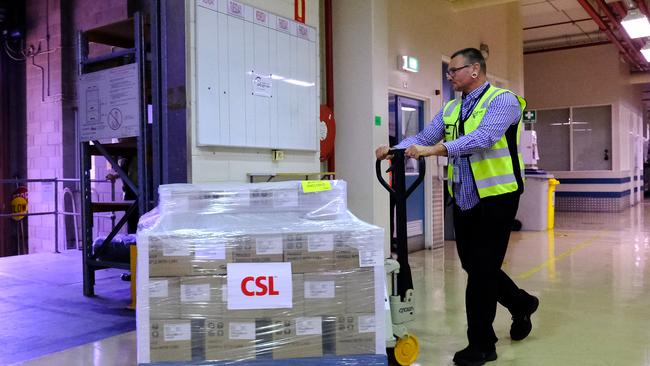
{"points": [[432, 165]]}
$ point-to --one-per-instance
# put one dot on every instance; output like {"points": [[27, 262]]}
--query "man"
{"points": [[481, 136]]}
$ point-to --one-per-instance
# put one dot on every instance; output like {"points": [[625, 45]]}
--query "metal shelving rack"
{"points": [[130, 37]]}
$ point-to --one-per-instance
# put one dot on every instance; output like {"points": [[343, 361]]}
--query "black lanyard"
{"points": [[462, 119]]}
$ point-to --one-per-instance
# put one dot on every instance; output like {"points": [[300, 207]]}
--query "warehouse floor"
{"points": [[44, 311], [592, 275]]}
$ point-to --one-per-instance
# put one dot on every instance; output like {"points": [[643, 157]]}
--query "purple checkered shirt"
{"points": [[502, 112]]}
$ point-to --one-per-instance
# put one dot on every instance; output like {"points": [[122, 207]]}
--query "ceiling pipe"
{"points": [[632, 48], [642, 7], [564, 48], [603, 27], [559, 23]]}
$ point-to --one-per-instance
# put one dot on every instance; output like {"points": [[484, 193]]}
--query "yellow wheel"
{"points": [[407, 350]]}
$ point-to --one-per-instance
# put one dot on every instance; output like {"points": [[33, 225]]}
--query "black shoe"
{"points": [[521, 323], [471, 356]]}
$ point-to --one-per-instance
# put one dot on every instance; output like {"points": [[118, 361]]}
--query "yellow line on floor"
{"points": [[551, 261]]}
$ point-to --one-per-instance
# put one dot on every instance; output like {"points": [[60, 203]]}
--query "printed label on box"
{"points": [[366, 323], [210, 250], [320, 243], [178, 332], [320, 289], [260, 286], [268, 245], [309, 326], [285, 199], [369, 255], [195, 293], [242, 331], [158, 288], [173, 248]]}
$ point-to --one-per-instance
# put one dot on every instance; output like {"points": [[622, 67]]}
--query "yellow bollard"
{"points": [[134, 253], [551, 202]]}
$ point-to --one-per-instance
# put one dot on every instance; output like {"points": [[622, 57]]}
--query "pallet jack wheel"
{"points": [[407, 350]]}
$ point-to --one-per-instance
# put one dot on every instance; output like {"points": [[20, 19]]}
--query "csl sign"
{"points": [[19, 203], [259, 286], [263, 286]]}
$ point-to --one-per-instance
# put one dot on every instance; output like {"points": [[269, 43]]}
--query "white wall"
{"points": [[210, 164], [360, 94], [587, 76], [432, 29], [368, 37]]}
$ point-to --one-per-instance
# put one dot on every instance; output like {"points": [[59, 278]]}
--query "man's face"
{"points": [[460, 73]]}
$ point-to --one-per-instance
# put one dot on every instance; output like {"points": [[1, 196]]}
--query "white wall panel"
{"points": [[236, 69], [208, 93], [223, 81]]}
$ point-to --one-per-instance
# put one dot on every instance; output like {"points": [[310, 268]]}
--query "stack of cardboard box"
{"points": [[183, 255]]}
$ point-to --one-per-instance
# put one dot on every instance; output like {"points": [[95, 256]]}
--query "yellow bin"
{"points": [[551, 202]]}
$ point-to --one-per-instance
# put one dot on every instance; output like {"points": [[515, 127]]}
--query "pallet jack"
{"points": [[402, 347]]}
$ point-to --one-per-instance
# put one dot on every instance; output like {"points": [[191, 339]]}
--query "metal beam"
{"points": [[605, 28], [631, 47]]}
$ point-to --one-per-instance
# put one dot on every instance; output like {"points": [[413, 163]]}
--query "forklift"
{"points": [[402, 347]]}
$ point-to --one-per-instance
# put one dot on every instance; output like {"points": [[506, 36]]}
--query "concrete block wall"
{"points": [[50, 103]]}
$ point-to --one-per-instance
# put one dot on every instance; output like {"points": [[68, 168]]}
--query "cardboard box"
{"points": [[164, 298], [355, 334], [201, 296], [298, 308], [230, 339], [211, 255], [324, 293], [297, 337], [258, 249], [309, 252], [170, 340], [360, 290], [169, 256], [346, 254]]}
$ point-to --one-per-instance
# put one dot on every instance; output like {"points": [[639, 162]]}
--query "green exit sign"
{"points": [[410, 63], [530, 116]]}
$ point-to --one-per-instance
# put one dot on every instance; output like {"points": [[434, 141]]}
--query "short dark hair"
{"points": [[472, 55]]}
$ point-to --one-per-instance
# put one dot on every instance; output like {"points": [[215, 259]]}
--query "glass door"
{"points": [[407, 119]]}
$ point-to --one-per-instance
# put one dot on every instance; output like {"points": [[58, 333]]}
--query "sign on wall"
{"points": [[109, 103], [530, 116]]}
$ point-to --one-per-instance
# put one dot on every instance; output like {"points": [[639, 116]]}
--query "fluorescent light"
{"points": [[298, 82], [646, 51], [408, 109], [636, 24]]}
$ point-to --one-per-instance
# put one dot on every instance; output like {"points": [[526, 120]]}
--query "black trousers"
{"points": [[482, 235]]}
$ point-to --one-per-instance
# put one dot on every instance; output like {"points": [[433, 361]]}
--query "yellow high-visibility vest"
{"points": [[493, 169]]}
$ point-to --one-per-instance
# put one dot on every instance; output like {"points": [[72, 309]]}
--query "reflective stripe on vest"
{"points": [[492, 169]]}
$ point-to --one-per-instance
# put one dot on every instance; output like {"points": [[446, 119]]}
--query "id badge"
{"points": [[456, 171]]}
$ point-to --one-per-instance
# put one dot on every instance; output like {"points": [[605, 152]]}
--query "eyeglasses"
{"points": [[453, 70]]}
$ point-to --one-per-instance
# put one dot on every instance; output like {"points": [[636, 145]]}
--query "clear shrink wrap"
{"points": [[259, 274]]}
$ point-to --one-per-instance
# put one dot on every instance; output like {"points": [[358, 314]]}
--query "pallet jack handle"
{"points": [[398, 231], [399, 154]]}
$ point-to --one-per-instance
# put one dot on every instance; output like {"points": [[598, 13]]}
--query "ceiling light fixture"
{"points": [[636, 24], [645, 51]]}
